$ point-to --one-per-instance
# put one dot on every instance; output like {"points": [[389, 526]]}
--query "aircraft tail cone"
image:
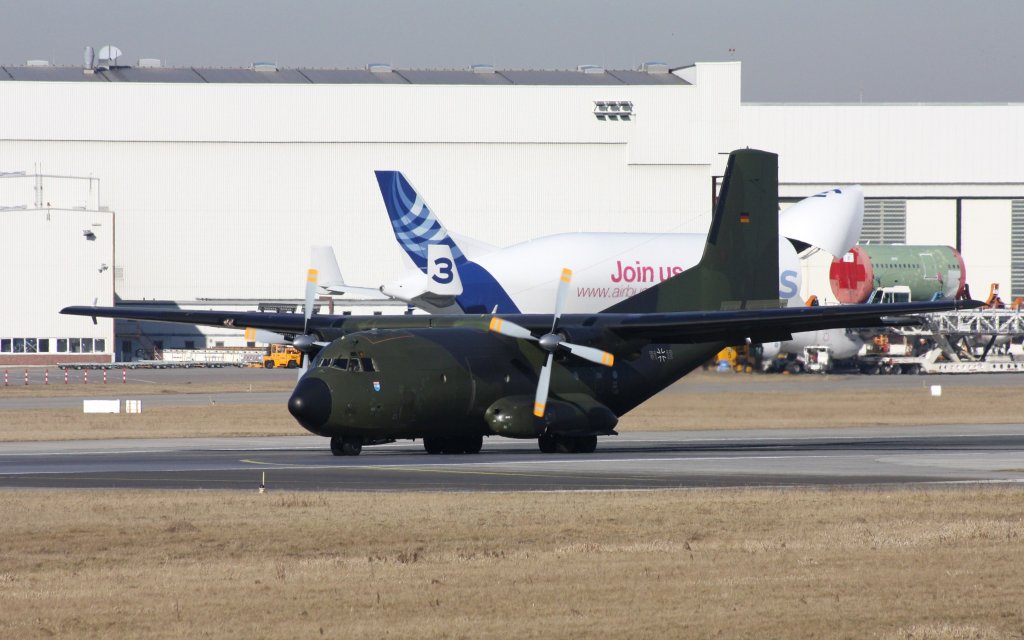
{"points": [[310, 404]]}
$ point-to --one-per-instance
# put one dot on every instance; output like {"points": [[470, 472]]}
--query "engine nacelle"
{"points": [[578, 414]]}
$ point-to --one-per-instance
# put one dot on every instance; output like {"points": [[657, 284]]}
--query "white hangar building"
{"points": [[207, 186]]}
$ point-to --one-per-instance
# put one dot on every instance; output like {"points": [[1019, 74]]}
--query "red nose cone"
{"points": [[852, 277]]}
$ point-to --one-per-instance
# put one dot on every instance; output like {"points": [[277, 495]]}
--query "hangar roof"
{"points": [[271, 74]]}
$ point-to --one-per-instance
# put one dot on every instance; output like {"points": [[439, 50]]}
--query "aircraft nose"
{"points": [[310, 403]]}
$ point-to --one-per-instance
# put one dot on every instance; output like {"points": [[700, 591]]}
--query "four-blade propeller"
{"points": [[551, 342], [306, 343]]}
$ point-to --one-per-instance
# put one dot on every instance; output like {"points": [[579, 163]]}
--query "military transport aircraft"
{"points": [[562, 379]]}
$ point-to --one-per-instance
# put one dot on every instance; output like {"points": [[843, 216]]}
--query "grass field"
{"points": [[756, 564]]}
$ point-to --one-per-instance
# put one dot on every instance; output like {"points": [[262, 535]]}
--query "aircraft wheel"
{"points": [[565, 444], [586, 444], [451, 446], [473, 444], [547, 443], [346, 445], [433, 445]]}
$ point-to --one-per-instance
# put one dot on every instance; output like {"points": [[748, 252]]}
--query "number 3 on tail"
{"points": [[444, 273]]}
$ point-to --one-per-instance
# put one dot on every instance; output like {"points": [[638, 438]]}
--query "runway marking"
{"points": [[410, 465]]}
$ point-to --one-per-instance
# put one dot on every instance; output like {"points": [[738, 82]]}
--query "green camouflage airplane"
{"points": [[563, 379]]}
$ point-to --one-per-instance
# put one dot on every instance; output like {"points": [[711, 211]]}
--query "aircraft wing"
{"points": [[768, 325], [283, 323], [757, 325]]}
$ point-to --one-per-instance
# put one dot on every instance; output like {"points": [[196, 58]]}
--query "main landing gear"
{"points": [[453, 444], [346, 445], [551, 443]]}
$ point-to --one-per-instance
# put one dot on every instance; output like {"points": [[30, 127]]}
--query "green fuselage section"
{"points": [[411, 383]]}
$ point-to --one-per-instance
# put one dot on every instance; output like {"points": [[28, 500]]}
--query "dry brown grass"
{"points": [[839, 563], [115, 389], [826, 406], [215, 420]]}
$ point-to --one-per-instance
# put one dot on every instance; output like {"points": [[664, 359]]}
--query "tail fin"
{"points": [[416, 227], [740, 265], [322, 259]]}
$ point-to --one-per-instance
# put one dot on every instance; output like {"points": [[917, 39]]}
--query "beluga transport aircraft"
{"points": [[562, 379], [453, 274]]}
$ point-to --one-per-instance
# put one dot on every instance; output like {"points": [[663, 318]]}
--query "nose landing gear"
{"points": [[346, 445]]}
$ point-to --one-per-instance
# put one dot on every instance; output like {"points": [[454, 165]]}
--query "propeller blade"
{"points": [[311, 278], [590, 353], [540, 401], [563, 291], [307, 312], [510, 329]]}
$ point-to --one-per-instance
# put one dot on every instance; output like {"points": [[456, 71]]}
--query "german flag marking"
{"points": [[495, 325], [538, 410], [744, 218], [566, 275]]}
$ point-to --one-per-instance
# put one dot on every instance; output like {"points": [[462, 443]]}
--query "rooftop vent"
{"points": [[150, 63], [110, 53], [379, 67], [37, 63], [654, 67], [264, 67], [481, 68], [590, 68], [613, 110]]}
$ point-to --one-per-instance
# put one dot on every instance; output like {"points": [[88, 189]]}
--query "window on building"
{"points": [[44, 345], [19, 345], [31, 345], [99, 345], [885, 222], [75, 345], [1017, 249], [62, 345], [86, 345], [5, 345]]}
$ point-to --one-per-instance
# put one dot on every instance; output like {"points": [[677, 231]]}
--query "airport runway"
{"points": [[750, 458]]}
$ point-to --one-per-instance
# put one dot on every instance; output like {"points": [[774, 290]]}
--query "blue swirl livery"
{"points": [[419, 232]]}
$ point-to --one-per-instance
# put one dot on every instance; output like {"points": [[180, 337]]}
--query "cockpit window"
{"points": [[353, 364]]}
